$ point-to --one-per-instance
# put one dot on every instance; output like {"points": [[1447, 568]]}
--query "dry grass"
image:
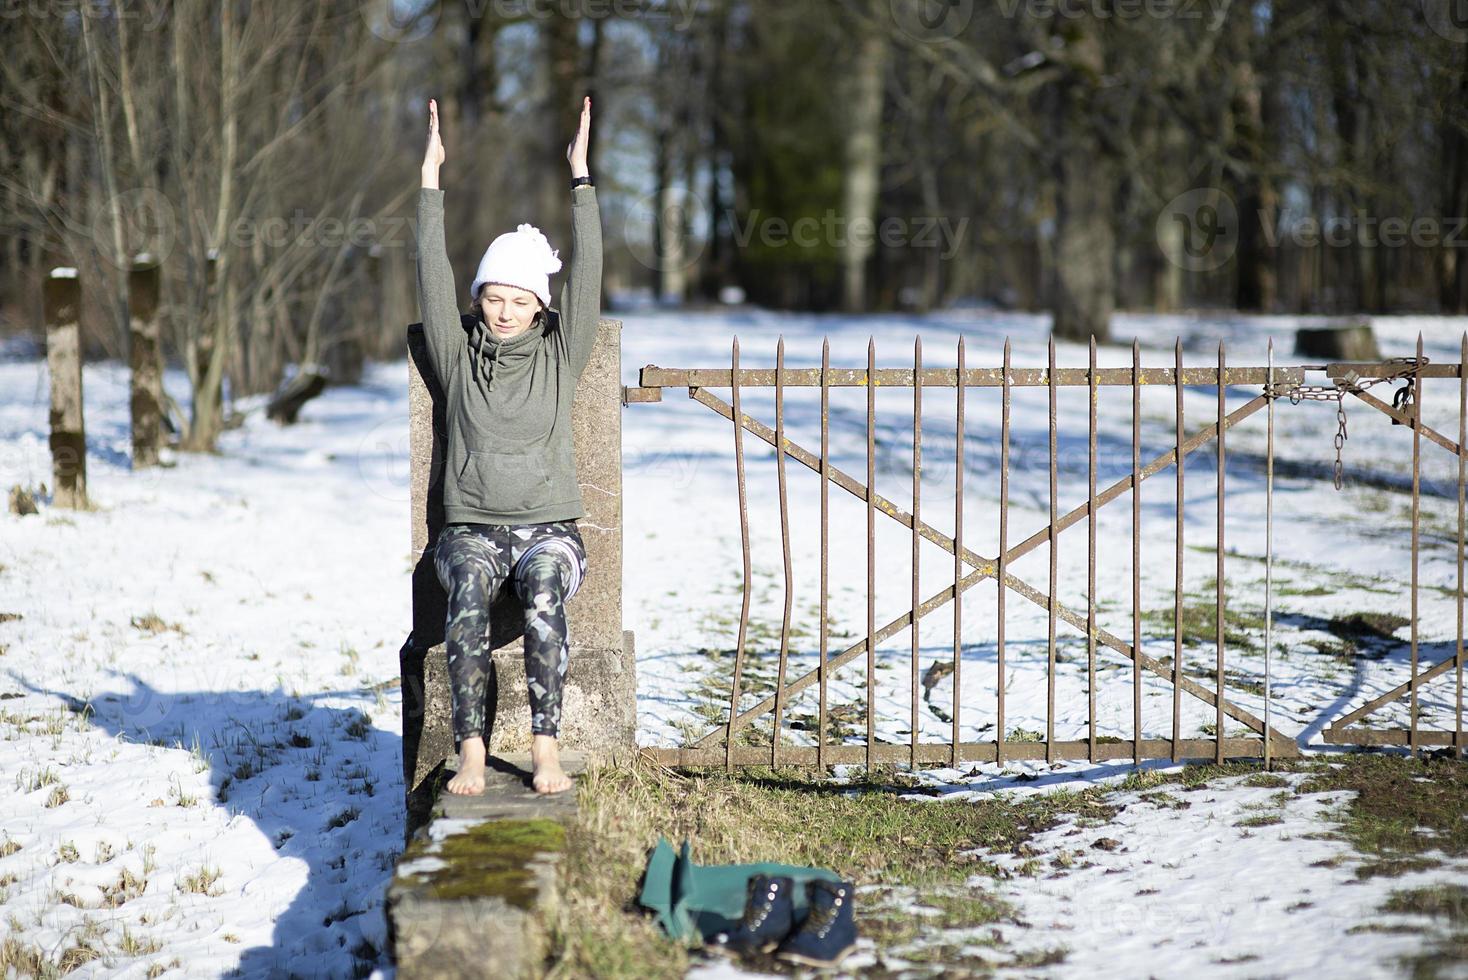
{"points": [[914, 849], [200, 882]]}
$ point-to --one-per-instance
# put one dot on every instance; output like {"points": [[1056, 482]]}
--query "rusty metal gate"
{"points": [[718, 745]]}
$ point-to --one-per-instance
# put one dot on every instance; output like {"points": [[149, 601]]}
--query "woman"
{"points": [[508, 370]]}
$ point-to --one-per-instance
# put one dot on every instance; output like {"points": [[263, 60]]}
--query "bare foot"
{"points": [[469, 780], [545, 759]]}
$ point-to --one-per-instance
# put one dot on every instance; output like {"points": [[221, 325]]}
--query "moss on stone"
{"points": [[490, 860]]}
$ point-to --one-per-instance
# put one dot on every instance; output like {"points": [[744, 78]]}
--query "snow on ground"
{"points": [[231, 795]]}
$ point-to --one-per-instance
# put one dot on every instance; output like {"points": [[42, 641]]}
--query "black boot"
{"points": [[769, 914], [828, 932]]}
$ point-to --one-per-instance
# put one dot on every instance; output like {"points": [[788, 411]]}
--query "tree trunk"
{"points": [[64, 366], [862, 177], [1085, 250], [1084, 167]]}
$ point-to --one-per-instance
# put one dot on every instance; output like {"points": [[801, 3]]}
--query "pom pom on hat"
{"points": [[522, 258]]}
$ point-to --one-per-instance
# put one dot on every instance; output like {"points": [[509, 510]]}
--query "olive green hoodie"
{"points": [[509, 457]]}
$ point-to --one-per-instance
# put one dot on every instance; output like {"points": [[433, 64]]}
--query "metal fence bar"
{"points": [[1136, 552], [917, 498], [1416, 533], [939, 754], [961, 394], [985, 568], [1155, 466], [825, 549], [1177, 608], [652, 376], [1337, 727], [1091, 558], [1038, 598], [1406, 418], [1268, 550], [1040, 537], [871, 552], [744, 545], [1054, 575], [1222, 411], [785, 551], [1090, 747], [1001, 591]]}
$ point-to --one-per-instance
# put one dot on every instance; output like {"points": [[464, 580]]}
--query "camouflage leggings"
{"points": [[546, 564]]}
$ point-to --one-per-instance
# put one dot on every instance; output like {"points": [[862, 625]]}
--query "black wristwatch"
{"points": [[578, 181]]}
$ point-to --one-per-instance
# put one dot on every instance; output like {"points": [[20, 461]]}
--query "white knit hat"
{"points": [[523, 258]]}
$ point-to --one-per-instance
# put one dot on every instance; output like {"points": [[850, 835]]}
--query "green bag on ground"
{"points": [[692, 900]]}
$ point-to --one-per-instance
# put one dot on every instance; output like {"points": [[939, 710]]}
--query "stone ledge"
{"points": [[472, 893]]}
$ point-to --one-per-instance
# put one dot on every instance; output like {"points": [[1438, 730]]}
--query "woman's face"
{"points": [[507, 310]]}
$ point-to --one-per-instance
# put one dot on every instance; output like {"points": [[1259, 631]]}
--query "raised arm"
{"points": [[581, 292], [437, 299]]}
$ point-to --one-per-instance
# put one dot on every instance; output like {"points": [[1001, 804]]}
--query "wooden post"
{"points": [[145, 360], [598, 714], [61, 295]]}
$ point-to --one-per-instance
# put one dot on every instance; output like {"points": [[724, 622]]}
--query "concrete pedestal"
{"points": [[598, 713]]}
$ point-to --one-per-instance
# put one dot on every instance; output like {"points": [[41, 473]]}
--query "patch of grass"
{"points": [[1394, 795], [1443, 955], [1447, 901], [127, 887], [863, 831], [1241, 630], [133, 945], [1368, 625], [1293, 589], [342, 819], [30, 780], [57, 796], [24, 959], [1260, 820], [151, 622], [1191, 776], [200, 882], [77, 956]]}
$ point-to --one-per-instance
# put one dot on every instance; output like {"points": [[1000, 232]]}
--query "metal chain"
{"points": [[1351, 382]]}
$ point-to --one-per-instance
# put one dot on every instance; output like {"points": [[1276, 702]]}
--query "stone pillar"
{"points": [[61, 296], [598, 709], [145, 361]]}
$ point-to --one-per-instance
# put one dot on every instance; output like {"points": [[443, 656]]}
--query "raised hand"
{"points": [[576, 149], [433, 155]]}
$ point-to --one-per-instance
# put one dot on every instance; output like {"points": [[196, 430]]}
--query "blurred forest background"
{"points": [[1072, 156]]}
